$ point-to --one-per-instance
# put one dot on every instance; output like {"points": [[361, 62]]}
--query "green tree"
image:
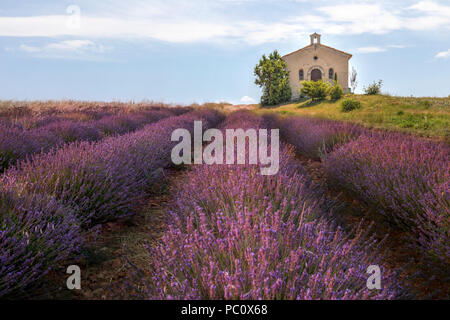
{"points": [[273, 77], [336, 91], [374, 88], [316, 90]]}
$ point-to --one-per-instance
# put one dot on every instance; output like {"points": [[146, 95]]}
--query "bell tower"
{"points": [[315, 38]]}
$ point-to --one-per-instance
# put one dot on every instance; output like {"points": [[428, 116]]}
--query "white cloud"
{"points": [[116, 27], [247, 100], [66, 49], [363, 18], [70, 45], [31, 49], [370, 50], [431, 16], [80, 46], [376, 49], [443, 55], [431, 7], [218, 21], [396, 46]]}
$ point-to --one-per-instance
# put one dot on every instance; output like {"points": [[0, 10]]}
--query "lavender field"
{"points": [[344, 198]]}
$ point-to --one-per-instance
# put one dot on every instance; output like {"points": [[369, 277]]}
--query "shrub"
{"points": [[316, 90], [336, 91], [70, 131], [31, 122], [315, 137], [348, 105], [81, 183], [36, 233], [102, 180], [17, 143], [374, 88], [266, 240], [425, 103], [120, 124], [80, 176], [406, 179], [12, 146]]}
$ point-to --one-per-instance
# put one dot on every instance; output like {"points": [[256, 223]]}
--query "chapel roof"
{"points": [[322, 45]]}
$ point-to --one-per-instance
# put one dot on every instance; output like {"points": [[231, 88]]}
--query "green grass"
{"points": [[428, 117]]}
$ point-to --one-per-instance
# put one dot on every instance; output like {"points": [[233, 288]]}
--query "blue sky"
{"points": [[205, 50]]}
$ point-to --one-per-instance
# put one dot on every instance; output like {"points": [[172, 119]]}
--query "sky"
{"points": [[188, 51]]}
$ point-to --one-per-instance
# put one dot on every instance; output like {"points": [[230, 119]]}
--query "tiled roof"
{"points": [[348, 54]]}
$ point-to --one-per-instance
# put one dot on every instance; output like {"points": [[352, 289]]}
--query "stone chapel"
{"points": [[317, 62]]}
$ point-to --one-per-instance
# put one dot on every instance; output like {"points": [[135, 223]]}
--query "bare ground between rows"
{"points": [[106, 261]]}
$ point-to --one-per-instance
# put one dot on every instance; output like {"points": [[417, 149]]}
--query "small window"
{"points": [[301, 76], [316, 57], [331, 73]]}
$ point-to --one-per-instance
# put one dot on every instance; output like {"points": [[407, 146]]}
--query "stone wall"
{"points": [[326, 58]]}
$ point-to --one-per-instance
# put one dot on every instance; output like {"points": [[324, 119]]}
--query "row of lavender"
{"points": [[29, 114], [406, 178], [235, 234], [49, 201], [118, 116], [17, 142]]}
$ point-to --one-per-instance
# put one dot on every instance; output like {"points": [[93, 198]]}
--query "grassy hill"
{"points": [[424, 116]]}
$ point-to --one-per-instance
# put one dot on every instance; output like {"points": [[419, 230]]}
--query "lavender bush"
{"points": [[120, 124], [36, 233], [30, 122], [17, 143], [70, 131], [407, 179], [235, 234], [46, 198], [102, 180], [314, 138]]}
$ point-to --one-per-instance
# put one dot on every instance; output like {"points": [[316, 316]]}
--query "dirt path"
{"points": [[106, 267], [119, 244]]}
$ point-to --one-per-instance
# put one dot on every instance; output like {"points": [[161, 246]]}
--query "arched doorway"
{"points": [[316, 75]]}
